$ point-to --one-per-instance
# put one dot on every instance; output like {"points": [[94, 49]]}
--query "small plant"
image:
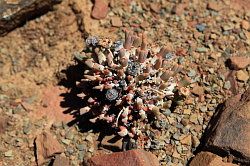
{"points": [[130, 84]]}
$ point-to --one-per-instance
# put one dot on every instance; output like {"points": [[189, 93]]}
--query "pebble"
{"points": [[116, 21], [227, 85], [201, 49], [70, 150], [100, 9], [201, 27], [203, 108], [166, 112], [198, 90], [81, 147], [191, 73], [245, 24], [187, 111], [194, 118], [69, 135], [242, 76], [66, 141], [9, 153]]}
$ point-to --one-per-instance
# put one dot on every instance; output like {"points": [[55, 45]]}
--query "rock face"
{"points": [[15, 12], [132, 158], [208, 159], [46, 146], [229, 130]]}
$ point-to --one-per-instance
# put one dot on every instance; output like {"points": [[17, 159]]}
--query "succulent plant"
{"points": [[132, 82]]}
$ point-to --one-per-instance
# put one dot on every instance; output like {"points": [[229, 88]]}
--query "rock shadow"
{"points": [[73, 103]]}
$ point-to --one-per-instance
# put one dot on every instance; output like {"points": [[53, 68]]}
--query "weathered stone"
{"points": [[239, 62], [15, 13], [229, 130], [100, 9], [208, 159], [132, 158], [46, 146], [61, 161]]}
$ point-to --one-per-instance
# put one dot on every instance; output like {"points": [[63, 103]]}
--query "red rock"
{"points": [[245, 24], [46, 146], [209, 159], [129, 158], [239, 62], [100, 9], [179, 9], [116, 21], [61, 161], [229, 130]]}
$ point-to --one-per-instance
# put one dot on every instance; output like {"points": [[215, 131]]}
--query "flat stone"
{"points": [[239, 62], [229, 130], [242, 76], [100, 9], [61, 161], [16, 12], [116, 21], [46, 146], [136, 157], [209, 159]]}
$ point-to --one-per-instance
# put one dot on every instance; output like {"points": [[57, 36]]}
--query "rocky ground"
{"points": [[37, 70]]}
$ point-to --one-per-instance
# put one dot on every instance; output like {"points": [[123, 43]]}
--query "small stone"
{"points": [[9, 153], [198, 90], [187, 111], [245, 24], [227, 85], [166, 112], [239, 62], [69, 135], [203, 108], [242, 76], [186, 140], [155, 7], [191, 73], [201, 49], [213, 6], [81, 147], [194, 118], [215, 55], [213, 36], [108, 141], [200, 27], [116, 21], [185, 121], [100, 9], [70, 150], [66, 141]]}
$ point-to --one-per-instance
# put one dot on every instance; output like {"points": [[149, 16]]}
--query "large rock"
{"points": [[13, 13], [239, 62], [46, 147], [208, 159], [100, 9], [229, 131], [132, 158]]}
